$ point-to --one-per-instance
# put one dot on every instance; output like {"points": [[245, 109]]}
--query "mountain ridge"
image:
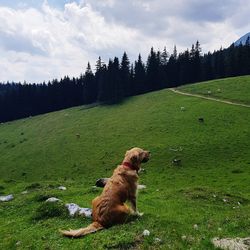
{"points": [[242, 40]]}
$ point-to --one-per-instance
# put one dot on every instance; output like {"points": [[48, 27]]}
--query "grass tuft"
{"points": [[50, 210]]}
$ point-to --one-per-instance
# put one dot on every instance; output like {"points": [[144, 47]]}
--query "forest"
{"points": [[111, 82]]}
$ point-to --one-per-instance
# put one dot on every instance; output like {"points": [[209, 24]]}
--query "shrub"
{"points": [[50, 210]]}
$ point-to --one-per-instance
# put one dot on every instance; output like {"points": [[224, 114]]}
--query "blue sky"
{"points": [[32, 3], [41, 40]]}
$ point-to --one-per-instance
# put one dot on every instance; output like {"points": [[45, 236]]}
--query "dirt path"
{"points": [[209, 98]]}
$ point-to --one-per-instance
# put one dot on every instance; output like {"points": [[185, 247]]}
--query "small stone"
{"points": [[146, 233], [7, 197], [72, 208], [183, 237], [52, 199], [224, 200], [62, 188], [195, 226], [140, 187], [158, 240], [86, 212], [18, 243]]}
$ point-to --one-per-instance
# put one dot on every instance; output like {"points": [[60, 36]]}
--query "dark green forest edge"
{"points": [[112, 82]]}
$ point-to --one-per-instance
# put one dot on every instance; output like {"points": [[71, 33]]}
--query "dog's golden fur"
{"points": [[109, 208]]}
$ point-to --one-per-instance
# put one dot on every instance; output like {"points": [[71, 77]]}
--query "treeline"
{"points": [[112, 82]]}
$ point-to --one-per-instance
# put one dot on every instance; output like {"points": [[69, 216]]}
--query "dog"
{"points": [[109, 208]]}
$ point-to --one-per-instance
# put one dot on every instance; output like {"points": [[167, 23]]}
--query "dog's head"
{"points": [[136, 156]]}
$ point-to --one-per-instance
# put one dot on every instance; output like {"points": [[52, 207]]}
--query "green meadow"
{"points": [[185, 205]]}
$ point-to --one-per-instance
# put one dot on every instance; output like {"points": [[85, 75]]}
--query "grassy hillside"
{"points": [[74, 147], [235, 89]]}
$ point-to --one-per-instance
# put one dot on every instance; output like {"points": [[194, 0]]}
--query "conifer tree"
{"points": [[139, 77]]}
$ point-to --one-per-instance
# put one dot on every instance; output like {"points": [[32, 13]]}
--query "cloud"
{"points": [[41, 42]]}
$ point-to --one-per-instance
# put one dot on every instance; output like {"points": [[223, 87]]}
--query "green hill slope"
{"points": [[76, 146], [235, 89]]}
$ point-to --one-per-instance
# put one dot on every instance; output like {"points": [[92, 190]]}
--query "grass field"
{"points": [[235, 89], [210, 189]]}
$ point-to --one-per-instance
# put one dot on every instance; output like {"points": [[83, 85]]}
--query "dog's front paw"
{"points": [[140, 214], [137, 213]]}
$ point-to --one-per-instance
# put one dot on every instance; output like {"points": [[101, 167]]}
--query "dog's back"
{"points": [[116, 192]]}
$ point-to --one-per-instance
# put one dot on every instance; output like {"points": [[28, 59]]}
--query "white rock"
{"points": [[74, 209], [139, 187], [18, 243], [146, 233], [86, 212], [7, 197], [62, 188], [232, 244], [183, 237], [52, 199], [195, 226], [158, 240], [224, 200]]}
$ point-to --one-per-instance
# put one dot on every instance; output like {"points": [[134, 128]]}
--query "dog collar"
{"points": [[129, 165]]}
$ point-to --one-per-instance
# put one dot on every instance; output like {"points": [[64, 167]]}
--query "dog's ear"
{"points": [[135, 157]]}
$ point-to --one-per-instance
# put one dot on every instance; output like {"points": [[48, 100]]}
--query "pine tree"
{"points": [[139, 77], [89, 86], [152, 70], [125, 76]]}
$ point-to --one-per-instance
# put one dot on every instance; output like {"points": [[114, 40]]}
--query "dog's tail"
{"points": [[92, 228]]}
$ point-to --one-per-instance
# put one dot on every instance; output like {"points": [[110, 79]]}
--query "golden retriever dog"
{"points": [[109, 208]]}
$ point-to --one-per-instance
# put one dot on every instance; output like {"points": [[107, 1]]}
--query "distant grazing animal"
{"points": [[201, 119], [109, 208], [176, 162]]}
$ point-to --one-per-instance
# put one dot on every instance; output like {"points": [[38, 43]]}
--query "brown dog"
{"points": [[109, 208]]}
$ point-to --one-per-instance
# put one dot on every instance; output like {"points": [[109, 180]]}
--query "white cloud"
{"points": [[39, 44]]}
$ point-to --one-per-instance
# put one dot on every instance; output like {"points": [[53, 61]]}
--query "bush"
{"points": [[50, 210]]}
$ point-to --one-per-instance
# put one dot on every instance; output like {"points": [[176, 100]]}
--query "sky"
{"points": [[45, 39]]}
